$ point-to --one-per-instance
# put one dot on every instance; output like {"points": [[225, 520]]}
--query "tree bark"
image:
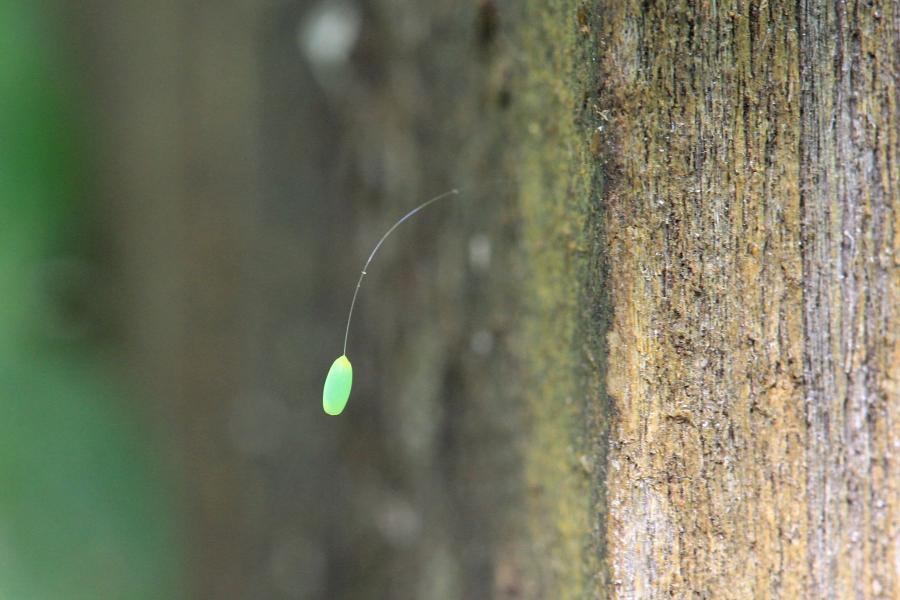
{"points": [[753, 350]]}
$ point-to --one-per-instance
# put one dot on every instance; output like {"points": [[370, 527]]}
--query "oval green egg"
{"points": [[337, 386]]}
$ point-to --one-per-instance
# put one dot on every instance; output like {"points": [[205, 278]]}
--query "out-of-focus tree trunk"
{"points": [[651, 351]]}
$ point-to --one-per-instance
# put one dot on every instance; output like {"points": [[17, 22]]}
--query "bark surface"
{"points": [[753, 354]]}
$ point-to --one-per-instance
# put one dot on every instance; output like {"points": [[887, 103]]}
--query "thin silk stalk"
{"points": [[453, 192]]}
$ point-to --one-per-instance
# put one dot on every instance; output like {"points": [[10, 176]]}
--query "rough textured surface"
{"points": [[850, 198], [753, 349]]}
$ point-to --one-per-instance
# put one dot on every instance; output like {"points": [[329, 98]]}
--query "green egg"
{"points": [[337, 386], [340, 375]]}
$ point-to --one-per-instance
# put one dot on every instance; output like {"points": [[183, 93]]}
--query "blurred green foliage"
{"points": [[84, 512]]}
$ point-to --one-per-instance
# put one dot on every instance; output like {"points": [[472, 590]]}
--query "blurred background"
{"points": [[188, 189]]}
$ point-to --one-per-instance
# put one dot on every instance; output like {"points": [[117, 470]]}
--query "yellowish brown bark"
{"points": [[753, 349]]}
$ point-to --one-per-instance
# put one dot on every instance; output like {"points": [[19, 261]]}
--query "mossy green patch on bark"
{"points": [[558, 195]]}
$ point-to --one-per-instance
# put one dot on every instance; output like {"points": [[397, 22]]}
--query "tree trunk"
{"points": [[753, 349], [650, 351]]}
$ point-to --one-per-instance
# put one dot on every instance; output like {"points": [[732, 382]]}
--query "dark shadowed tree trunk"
{"points": [[651, 350]]}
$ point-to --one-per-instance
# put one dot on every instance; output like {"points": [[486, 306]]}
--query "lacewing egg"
{"points": [[340, 375], [337, 386]]}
